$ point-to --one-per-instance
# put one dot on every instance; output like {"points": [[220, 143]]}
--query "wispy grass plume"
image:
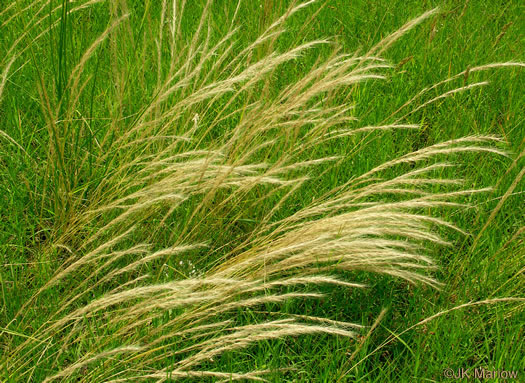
{"points": [[161, 157]]}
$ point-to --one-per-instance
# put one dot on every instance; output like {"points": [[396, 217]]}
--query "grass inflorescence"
{"points": [[218, 191]]}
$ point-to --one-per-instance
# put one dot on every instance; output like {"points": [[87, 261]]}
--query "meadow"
{"points": [[278, 190]]}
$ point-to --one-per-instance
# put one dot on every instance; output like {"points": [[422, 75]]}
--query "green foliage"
{"points": [[202, 190]]}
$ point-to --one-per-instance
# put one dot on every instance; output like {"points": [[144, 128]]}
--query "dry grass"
{"points": [[165, 159]]}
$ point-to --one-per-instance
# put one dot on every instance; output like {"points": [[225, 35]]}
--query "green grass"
{"points": [[51, 173]]}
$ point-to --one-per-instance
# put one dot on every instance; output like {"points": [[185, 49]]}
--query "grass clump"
{"points": [[189, 202]]}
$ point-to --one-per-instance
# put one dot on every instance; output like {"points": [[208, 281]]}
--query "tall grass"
{"points": [[166, 148]]}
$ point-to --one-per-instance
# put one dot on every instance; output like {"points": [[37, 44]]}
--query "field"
{"points": [[326, 191]]}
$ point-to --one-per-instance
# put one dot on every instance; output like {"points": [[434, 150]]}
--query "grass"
{"points": [[185, 200]]}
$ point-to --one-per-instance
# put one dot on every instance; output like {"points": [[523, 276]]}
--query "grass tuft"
{"points": [[194, 194]]}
